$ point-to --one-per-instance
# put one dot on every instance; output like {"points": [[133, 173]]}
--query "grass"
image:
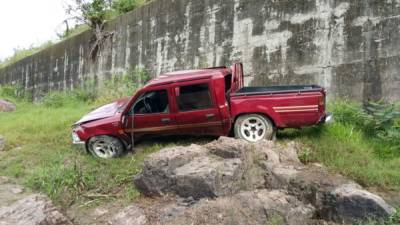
{"points": [[39, 155], [347, 149]]}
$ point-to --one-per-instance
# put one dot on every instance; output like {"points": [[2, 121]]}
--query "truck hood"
{"points": [[104, 111]]}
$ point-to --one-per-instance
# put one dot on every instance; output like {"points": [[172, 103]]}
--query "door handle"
{"points": [[210, 115], [165, 120]]}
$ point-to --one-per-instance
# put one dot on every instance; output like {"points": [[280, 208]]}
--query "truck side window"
{"points": [[151, 102], [194, 97]]}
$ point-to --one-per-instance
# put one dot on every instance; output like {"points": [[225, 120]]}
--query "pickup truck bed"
{"points": [[276, 89]]}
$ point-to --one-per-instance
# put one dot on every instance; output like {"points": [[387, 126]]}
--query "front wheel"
{"points": [[105, 147], [253, 128]]}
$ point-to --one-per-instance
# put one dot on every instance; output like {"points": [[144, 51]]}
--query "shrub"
{"points": [[348, 113], [375, 119], [382, 120], [123, 6], [55, 99]]}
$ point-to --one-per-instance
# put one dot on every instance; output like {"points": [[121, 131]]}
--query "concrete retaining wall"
{"points": [[351, 47]]}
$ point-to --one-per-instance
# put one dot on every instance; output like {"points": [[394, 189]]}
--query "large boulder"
{"points": [[334, 197], [6, 106], [32, 210], [157, 177], [228, 171], [217, 169]]}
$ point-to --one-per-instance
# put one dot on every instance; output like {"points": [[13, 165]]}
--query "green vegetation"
{"points": [[39, 153], [361, 144]]}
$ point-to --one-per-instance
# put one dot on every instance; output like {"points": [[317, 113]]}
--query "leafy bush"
{"points": [[348, 113], [123, 6], [382, 120], [375, 119], [122, 86]]}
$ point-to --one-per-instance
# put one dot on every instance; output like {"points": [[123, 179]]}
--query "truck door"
{"points": [[237, 77], [151, 114], [198, 113]]}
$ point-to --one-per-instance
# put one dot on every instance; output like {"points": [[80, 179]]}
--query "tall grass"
{"points": [[352, 146], [39, 153]]}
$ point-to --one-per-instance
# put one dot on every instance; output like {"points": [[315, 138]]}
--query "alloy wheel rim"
{"points": [[104, 150], [253, 129]]}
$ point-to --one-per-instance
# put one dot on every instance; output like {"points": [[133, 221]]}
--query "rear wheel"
{"points": [[105, 147], [253, 128]]}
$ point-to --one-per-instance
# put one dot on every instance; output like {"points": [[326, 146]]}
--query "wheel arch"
{"points": [[258, 113]]}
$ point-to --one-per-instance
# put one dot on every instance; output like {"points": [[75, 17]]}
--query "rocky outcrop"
{"points": [[20, 207], [236, 182], [32, 210], [131, 215], [6, 106], [217, 169], [253, 207]]}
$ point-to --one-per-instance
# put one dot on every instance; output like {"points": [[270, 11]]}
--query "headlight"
{"points": [[76, 139]]}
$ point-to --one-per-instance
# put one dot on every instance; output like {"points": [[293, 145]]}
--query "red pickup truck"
{"points": [[209, 101]]}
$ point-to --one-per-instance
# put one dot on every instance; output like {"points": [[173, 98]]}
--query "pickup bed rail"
{"points": [[246, 91]]}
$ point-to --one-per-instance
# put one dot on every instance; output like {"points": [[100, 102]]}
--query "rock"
{"points": [[6, 106], [349, 203], [208, 177], [255, 207], [32, 210], [224, 175], [131, 215], [158, 170], [2, 143], [217, 169], [4, 180], [334, 197], [17, 190]]}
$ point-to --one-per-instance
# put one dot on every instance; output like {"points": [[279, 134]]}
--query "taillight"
{"points": [[321, 103]]}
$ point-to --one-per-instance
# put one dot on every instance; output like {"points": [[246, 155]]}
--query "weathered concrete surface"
{"points": [[349, 46]]}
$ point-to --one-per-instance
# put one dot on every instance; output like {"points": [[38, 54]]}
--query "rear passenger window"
{"points": [[194, 97]]}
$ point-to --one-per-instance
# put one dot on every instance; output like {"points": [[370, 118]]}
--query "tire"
{"points": [[254, 127], [105, 147]]}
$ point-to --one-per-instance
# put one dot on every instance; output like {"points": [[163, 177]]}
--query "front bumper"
{"points": [[76, 140]]}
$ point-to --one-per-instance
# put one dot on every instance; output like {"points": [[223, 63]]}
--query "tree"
{"points": [[95, 14]]}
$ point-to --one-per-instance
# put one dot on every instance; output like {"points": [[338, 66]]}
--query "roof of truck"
{"points": [[186, 75]]}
